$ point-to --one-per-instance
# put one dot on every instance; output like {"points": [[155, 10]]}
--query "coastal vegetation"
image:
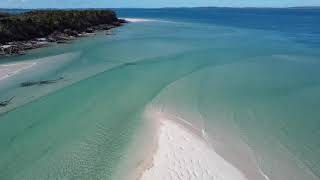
{"points": [[42, 23], [56, 25]]}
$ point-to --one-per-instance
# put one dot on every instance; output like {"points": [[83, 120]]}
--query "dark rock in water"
{"points": [[43, 82], [6, 102]]}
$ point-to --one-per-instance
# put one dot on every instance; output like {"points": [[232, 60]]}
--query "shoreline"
{"points": [[18, 48], [22, 47], [10, 69], [32, 30], [182, 152]]}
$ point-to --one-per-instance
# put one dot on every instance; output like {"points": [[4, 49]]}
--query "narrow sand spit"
{"points": [[138, 20], [183, 155], [7, 70]]}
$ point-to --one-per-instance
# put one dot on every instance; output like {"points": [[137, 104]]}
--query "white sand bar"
{"points": [[7, 70], [138, 20], [183, 155]]}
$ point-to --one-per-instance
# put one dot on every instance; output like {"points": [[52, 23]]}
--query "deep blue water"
{"points": [[302, 25]]}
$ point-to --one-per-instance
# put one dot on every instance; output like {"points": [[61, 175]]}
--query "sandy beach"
{"points": [[140, 20], [184, 154]]}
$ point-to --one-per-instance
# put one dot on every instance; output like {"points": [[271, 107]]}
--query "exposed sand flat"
{"points": [[138, 20], [183, 155], [43, 65], [7, 70]]}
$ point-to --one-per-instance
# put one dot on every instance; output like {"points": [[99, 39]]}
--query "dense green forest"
{"points": [[37, 24]]}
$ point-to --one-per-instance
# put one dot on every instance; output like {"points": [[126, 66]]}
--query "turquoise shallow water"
{"points": [[254, 91]]}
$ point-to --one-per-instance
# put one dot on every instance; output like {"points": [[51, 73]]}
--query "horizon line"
{"points": [[174, 7]]}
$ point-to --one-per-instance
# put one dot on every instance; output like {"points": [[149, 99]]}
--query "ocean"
{"points": [[247, 77]]}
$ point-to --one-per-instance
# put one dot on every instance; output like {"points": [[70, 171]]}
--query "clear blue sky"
{"points": [[152, 3]]}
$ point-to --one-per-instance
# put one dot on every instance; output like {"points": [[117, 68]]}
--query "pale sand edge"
{"points": [[184, 125], [148, 160], [141, 20], [137, 20], [14, 68]]}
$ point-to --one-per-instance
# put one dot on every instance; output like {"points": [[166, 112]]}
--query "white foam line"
{"points": [[185, 122], [137, 20], [263, 174], [184, 155]]}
